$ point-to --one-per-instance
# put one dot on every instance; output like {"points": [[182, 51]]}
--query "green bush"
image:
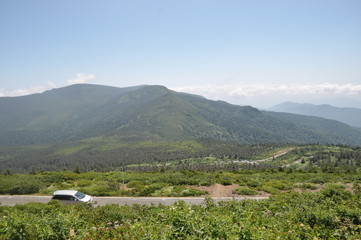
{"points": [[288, 215], [150, 189], [277, 184], [101, 189], [84, 182], [336, 193], [50, 189], [178, 191], [225, 180], [135, 184], [334, 185], [70, 176], [270, 189], [318, 180], [188, 192], [306, 186], [253, 183], [242, 190], [27, 187], [356, 188]]}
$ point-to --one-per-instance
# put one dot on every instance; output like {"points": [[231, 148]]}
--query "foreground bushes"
{"points": [[20, 184], [332, 213], [166, 183]]}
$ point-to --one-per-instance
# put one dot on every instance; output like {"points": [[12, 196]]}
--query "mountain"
{"points": [[96, 126], [350, 116], [154, 113]]}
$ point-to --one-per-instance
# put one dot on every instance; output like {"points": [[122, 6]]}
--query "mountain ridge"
{"points": [[350, 116], [99, 127], [83, 111]]}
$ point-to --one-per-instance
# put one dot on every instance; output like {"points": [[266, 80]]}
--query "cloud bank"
{"points": [[80, 78], [254, 90], [27, 91], [259, 95]]}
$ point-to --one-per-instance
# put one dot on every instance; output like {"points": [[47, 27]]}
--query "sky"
{"points": [[257, 53]]}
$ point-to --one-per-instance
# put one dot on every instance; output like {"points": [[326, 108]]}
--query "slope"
{"points": [[101, 127], [350, 116], [153, 113]]}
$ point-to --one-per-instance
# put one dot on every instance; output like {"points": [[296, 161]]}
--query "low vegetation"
{"points": [[170, 183], [315, 193], [275, 170], [333, 213]]}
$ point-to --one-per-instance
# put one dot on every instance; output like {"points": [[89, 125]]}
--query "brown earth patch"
{"points": [[219, 190], [348, 187], [301, 190]]}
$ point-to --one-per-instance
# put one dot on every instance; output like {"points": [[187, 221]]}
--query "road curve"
{"points": [[12, 200]]}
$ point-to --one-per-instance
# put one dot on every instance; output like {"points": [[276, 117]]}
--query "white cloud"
{"points": [[51, 84], [253, 90], [81, 78], [27, 91]]}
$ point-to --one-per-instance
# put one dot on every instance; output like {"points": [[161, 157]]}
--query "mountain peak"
{"points": [[150, 112], [65, 126]]}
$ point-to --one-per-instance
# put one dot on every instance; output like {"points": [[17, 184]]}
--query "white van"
{"points": [[71, 197]]}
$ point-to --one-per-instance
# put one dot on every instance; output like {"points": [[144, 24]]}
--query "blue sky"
{"points": [[256, 53]]}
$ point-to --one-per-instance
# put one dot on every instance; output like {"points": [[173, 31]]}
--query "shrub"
{"points": [[253, 183], [84, 182], [49, 190], [70, 176], [100, 189], [187, 192], [306, 186], [148, 190], [318, 180], [242, 190], [288, 215], [270, 189], [226, 180], [135, 184], [356, 188], [205, 183], [336, 193], [178, 191], [280, 185], [27, 187]]}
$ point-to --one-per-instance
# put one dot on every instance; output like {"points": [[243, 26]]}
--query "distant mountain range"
{"points": [[350, 116], [154, 113], [86, 123]]}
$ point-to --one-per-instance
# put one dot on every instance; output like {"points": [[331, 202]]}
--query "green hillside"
{"points": [[350, 116], [99, 126]]}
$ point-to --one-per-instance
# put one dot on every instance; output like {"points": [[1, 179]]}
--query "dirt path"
{"points": [[218, 190]]}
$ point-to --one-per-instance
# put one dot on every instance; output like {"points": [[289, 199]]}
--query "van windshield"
{"points": [[79, 195]]}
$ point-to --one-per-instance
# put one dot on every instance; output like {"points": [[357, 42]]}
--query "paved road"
{"points": [[11, 200]]}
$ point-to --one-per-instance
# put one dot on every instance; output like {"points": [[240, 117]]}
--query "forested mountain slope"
{"points": [[107, 126], [153, 113], [350, 116]]}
